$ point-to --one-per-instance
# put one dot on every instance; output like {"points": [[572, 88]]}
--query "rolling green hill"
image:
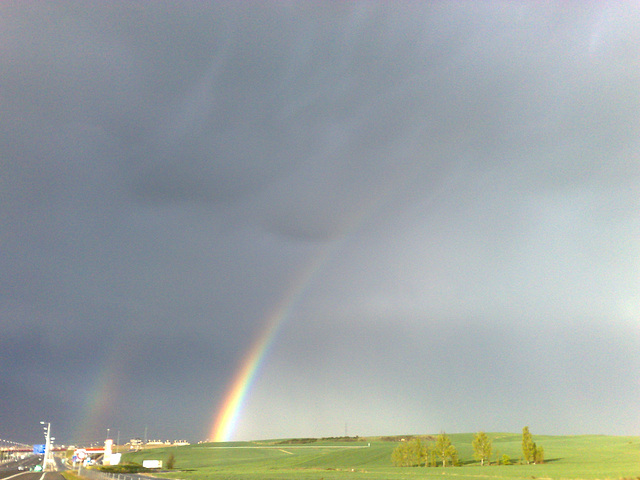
{"points": [[567, 457]]}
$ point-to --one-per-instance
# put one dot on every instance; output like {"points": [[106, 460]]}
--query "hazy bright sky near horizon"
{"points": [[442, 199]]}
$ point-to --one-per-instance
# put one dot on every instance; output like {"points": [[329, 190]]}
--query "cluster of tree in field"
{"points": [[416, 452], [531, 452]]}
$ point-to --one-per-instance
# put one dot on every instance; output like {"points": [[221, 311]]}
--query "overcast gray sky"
{"points": [[442, 199]]}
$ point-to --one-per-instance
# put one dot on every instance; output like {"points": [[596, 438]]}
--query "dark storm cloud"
{"points": [[468, 173]]}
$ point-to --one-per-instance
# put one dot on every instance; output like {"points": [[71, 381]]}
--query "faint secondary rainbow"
{"points": [[103, 390], [227, 417]]}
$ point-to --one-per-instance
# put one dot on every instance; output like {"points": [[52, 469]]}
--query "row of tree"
{"points": [[415, 452]]}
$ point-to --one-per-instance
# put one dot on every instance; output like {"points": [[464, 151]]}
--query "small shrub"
{"points": [[506, 459], [297, 441]]}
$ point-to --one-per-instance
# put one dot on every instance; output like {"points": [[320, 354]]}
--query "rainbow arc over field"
{"points": [[227, 417]]}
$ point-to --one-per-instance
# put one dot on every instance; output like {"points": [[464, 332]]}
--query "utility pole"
{"points": [[47, 445]]}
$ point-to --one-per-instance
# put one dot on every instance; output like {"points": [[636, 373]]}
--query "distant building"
{"points": [[157, 443], [135, 444]]}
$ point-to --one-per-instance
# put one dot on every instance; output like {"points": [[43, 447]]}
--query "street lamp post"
{"points": [[47, 444]]}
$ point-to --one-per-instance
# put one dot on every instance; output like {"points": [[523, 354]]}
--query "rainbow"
{"points": [[227, 417], [100, 397]]}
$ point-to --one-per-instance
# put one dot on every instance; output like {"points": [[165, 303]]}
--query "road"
{"points": [[19, 470], [19, 466], [31, 475]]}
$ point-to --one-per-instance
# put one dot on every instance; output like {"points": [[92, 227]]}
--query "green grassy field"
{"points": [[567, 457]]}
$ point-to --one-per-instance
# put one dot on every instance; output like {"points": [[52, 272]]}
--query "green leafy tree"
{"points": [[539, 455], [171, 461], [528, 446], [506, 459], [432, 456], [482, 447], [445, 450], [409, 454], [418, 451], [534, 452], [400, 455], [455, 460]]}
